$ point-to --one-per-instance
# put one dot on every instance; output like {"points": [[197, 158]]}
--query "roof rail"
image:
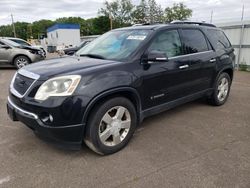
{"points": [[194, 23], [141, 24]]}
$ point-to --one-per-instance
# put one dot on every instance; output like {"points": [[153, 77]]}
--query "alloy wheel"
{"points": [[223, 88], [21, 62], [114, 126]]}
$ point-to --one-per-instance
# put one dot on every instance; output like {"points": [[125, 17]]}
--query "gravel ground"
{"points": [[194, 145]]}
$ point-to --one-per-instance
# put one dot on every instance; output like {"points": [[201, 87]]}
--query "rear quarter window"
{"points": [[218, 39], [194, 41]]}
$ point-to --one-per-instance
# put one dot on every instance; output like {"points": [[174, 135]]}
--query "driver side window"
{"points": [[168, 42]]}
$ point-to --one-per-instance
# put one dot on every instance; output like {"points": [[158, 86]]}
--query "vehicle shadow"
{"points": [[147, 123]]}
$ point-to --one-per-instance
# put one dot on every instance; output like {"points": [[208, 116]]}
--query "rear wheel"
{"points": [[21, 61], [110, 126], [221, 90]]}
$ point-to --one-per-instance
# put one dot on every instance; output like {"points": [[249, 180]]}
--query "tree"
{"points": [[155, 12], [140, 14], [38, 28], [119, 10], [177, 12], [100, 25]]}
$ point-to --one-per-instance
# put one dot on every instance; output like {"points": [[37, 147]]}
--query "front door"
{"points": [[3, 54], [166, 81]]}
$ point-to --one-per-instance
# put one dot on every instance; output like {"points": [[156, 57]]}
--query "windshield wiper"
{"points": [[92, 56]]}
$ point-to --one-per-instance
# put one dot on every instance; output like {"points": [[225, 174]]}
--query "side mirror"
{"points": [[5, 46], [156, 56]]}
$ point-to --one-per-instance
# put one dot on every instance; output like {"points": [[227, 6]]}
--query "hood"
{"points": [[66, 65], [29, 47]]}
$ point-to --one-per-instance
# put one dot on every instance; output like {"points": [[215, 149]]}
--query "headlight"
{"points": [[58, 86], [33, 51]]}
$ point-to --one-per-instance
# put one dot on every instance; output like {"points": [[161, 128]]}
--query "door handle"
{"points": [[212, 60], [183, 66]]}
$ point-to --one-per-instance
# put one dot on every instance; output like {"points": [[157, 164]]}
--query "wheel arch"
{"points": [[13, 59], [229, 71], [127, 92]]}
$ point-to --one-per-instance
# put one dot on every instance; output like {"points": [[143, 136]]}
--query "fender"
{"points": [[223, 70], [113, 91]]}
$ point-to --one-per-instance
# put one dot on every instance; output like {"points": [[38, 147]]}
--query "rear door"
{"points": [[202, 59], [222, 46]]}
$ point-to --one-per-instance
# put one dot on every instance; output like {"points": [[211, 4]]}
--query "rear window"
{"points": [[194, 41], [218, 39]]}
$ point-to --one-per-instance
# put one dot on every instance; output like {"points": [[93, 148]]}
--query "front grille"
{"points": [[22, 83]]}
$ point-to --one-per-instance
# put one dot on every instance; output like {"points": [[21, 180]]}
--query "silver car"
{"points": [[25, 43], [14, 54]]}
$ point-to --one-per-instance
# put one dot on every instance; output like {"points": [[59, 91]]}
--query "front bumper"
{"points": [[69, 136], [36, 57]]}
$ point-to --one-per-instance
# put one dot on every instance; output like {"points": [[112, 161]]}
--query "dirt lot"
{"points": [[194, 145]]}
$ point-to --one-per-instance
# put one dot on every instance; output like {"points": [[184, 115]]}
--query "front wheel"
{"points": [[21, 61], [221, 90], [110, 126]]}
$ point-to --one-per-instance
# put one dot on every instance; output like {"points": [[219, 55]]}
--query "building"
{"points": [[63, 35], [239, 35]]}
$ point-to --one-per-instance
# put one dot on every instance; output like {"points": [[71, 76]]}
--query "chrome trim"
{"points": [[183, 66], [212, 60], [190, 54], [24, 112], [161, 58], [27, 74]]}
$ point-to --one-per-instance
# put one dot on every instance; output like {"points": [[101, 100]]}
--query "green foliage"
{"points": [[140, 14], [155, 12], [6, 31], [123, 13], [119, 10], [38, 28], [100, 25], [177, 12]]}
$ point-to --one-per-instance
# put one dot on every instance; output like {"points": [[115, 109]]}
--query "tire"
{"points": [[21, 61], [110, 126], [223, 83]]}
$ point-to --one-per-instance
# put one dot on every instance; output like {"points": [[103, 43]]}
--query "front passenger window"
{"points": [[168, 42]]}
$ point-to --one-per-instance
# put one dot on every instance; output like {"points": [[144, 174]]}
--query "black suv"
{"points": [[102, 93]]}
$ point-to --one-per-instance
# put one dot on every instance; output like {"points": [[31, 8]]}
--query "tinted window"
{"points": [[194, 41], [20, 42], [1, 43], [168, 42], [218, 39]]}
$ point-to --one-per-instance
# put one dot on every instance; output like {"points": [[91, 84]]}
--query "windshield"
{"points": [[10, 43], [21, 42], [114, 45]]}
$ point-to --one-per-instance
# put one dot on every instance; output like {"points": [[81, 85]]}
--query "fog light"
{"points": [[46, 118]]}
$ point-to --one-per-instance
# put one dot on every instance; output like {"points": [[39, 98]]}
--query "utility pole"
{"points": [[241, 37], [111, 21], [242, 14], [211, 18], [13, 25]]}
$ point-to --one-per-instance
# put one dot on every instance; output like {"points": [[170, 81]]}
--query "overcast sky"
{"points": [[32, 10]]}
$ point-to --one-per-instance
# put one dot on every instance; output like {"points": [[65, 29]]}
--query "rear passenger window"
{"points": [[194, 41], [218, 39], [168, 42]]}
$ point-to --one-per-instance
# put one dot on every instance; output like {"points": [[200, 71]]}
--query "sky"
{"points": [[33, 10]]}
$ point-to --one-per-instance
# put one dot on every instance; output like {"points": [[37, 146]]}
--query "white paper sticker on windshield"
{"points": [[136, 37]]}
